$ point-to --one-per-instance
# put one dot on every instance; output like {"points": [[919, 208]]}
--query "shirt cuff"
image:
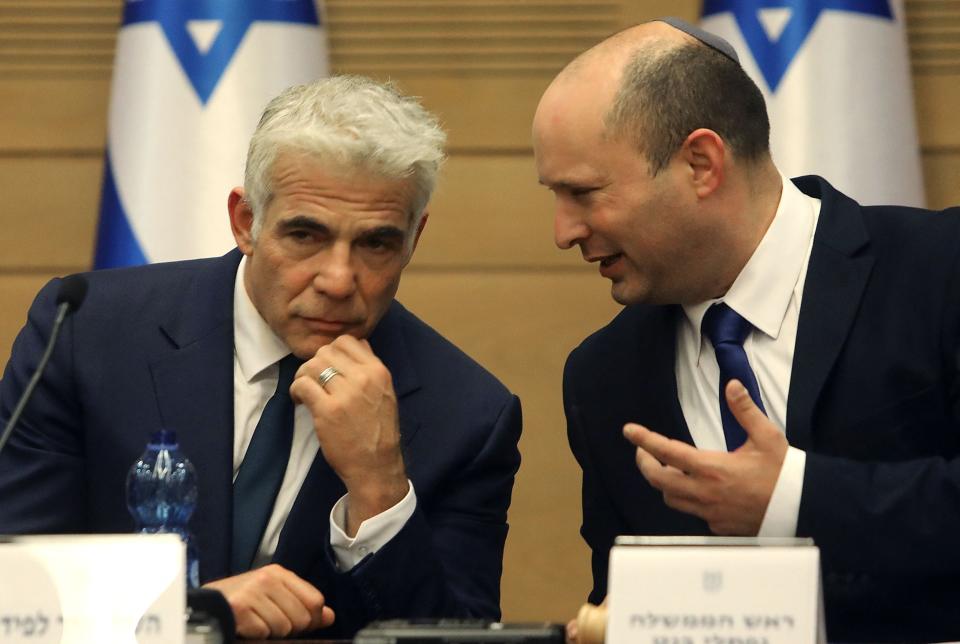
{"points": [[373, 534], [780, 519]]}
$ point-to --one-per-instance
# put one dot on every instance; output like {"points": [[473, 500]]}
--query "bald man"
{"points": [[745, 292]]}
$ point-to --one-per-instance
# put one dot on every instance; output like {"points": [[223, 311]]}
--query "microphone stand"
{"points": [[62, 310]]}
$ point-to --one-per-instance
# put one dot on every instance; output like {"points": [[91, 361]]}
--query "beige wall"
{"points": [[486, 274]]}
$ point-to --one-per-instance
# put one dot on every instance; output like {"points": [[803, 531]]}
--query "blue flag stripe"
{"points": [[116, 243], [774, 58], [179, 11], [205, 69]]}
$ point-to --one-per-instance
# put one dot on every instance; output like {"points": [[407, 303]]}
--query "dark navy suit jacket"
{"points": [[874, 400], [152, 348]]}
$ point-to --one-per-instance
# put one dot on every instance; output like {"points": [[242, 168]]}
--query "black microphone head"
{"points": [[73, 289]]}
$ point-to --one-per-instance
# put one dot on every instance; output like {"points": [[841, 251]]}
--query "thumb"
{"points": [[326, 618], [754, 422]]}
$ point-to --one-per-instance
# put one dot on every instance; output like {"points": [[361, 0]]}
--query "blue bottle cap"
{"points": [[164, 438]]}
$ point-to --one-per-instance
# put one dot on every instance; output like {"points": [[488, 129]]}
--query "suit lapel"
{"points": [[636, 375], [836, 277], [390, 345], [659, 344], [638, 384], [194, 389]]}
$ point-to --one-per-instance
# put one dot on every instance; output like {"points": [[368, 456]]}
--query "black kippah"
{"points": [[710, 40]]}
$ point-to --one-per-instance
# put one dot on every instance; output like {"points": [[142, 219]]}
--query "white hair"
{"points": [[355, 124]]}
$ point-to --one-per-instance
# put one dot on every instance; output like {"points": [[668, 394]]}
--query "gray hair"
{"points": [[354, 123]]}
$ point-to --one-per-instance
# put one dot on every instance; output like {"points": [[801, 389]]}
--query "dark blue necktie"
{"points": [[262, 469], [727, 330]]}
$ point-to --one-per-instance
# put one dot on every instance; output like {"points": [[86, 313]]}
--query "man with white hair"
{"points": [[374, 486]]}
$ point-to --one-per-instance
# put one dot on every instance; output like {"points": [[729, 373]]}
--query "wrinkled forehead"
{"points": [[338, 175]]}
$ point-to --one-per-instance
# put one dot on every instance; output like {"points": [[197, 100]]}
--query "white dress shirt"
{"points": [[257, 352], [767, 294]]}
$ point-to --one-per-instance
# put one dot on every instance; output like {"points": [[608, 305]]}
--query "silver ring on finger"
{"points": [[327, 375]]}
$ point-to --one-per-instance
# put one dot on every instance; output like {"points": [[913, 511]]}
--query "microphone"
{"points": [[73, 289]]}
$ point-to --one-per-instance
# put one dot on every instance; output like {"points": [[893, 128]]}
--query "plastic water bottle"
{"points": [[162, 493]]}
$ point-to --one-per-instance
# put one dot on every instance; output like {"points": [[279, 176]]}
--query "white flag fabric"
{"points": [[191, 78], [836, 77]]}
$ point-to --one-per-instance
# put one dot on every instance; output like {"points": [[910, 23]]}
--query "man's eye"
{"points": [[581, 192], [381, 244], [377, 245]]}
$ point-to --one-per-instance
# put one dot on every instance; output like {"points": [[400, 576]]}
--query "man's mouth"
{"points": [[609, 259], [326, 323]]}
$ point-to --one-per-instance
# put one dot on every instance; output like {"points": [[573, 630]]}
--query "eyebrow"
{"points": [[301, 222], [388, 232], [566, 185]]}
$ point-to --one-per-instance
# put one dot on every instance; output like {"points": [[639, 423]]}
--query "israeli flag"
{"points": [[836, 77], [191, 78]]}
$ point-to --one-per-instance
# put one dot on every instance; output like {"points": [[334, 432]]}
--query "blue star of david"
{"points": [[205, 69], [774, 58]]}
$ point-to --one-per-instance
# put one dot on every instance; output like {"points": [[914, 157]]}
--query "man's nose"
{"points": [[336, 276], [569, 227]]}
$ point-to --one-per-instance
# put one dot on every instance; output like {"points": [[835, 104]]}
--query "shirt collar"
{"points": [[255, 344], [763, 289]]}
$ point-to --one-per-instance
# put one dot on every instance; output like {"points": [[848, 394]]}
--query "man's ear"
{"points": [[241, 220], [416, 235], [705, 153]]}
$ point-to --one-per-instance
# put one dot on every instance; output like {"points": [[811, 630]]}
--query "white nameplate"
{"points": [[714, 590], [92, 589]]}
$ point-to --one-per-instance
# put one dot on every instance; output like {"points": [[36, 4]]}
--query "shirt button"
{"points": [[363, 550]]}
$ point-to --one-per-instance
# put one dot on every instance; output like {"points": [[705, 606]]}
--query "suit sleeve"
{"points": [[42, 483], [601, 524], [446, 561], [892, 517]]}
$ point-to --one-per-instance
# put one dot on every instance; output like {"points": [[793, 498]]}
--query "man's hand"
{"points": [[273, 602], [589, 626], [730, 491], [355, 418]]}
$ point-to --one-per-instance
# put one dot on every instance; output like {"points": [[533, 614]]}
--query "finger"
{"points": [[250, 625], [306, 390], [270, 614], [647, 464], [252, 612], [275, 596], [312, 372], [330, 355], [680, 492], [361, 367], [682, 456], [666, 478], [754, 422], [295, 615], [311, 600], [356, 351], [327, 617], [684, 504], [333, 377]]}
